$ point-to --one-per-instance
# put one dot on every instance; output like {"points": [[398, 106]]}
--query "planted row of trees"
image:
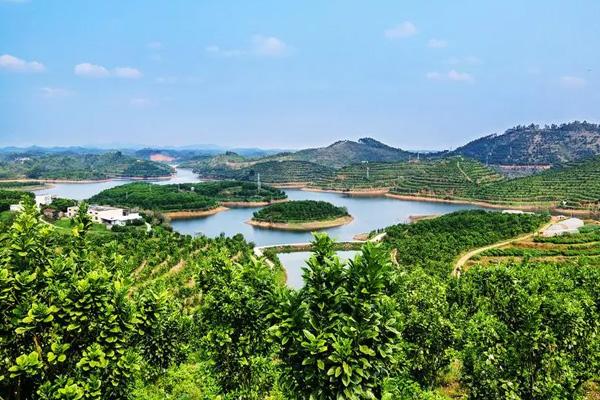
{"points": [[159, 315]]}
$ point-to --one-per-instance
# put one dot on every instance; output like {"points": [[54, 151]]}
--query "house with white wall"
{"points": [[109, 216]]}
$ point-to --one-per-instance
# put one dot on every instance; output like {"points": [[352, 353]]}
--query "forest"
{"points": [[160, 315], [185, 196], [75, 166], [299, 211]]}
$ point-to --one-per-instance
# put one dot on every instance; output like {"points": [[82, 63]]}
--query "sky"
{"points": [[291, 74]]}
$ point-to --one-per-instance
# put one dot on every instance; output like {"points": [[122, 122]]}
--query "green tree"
{"points": [[67, 327], [339, 335], [529, 331]]}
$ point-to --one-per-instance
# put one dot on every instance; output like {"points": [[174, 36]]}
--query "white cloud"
{"points": [[404, 30], [13, 63], [437, 43], [156, 45], [91, 70], [572, 82], [451, 75], [127, 73], [55, 92], [99, 71], [268, 45]]}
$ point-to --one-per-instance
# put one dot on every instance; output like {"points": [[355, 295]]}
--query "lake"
{"points": [[369, 213]]}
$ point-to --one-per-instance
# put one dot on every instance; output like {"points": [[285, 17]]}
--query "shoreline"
{"points": [[303, 226], [69, 181], [190, 214], [250, 204]]}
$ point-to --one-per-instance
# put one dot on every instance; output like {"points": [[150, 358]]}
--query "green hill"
{"points": [[79, 166], [271, 172], [577, 184], [346, 152], [532, 144], [185, 196], [443, 177]]}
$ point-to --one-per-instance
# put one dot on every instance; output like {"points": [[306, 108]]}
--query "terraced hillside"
{"points": [[573, 185], [580, 247], [273, 172], [444, 177]]}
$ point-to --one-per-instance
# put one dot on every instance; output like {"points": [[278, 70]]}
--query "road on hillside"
{"points": [[456, 271]]}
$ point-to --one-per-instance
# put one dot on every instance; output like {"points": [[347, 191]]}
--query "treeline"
{"points": [[299, 211], [176, 197], [8, 197], [79, 166], [163, 316]]}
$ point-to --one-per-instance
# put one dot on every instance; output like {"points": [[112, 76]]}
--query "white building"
{"points": [[40, 200], [519, 212], [109, 216], [570, 225]]}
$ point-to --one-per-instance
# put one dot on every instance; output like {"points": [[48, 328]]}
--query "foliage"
{"points": [[529, 331], [188, 196], [339, 335], [433, 244], [234, 319], [67, 325], [300, 211], [9, 197], [60, 204], [79, 166]]}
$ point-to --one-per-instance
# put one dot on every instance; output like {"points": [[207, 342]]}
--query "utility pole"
{"points": [[258, 182]]}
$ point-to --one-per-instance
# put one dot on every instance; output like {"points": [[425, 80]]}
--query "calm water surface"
{"points": [[369, 212], [82, 191], [294, 262]]}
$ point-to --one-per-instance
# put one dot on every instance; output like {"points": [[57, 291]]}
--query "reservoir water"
{"points": [[369, 213]]}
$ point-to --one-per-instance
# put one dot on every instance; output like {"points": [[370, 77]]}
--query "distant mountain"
{"points": [[535, 145], [346, 152]]}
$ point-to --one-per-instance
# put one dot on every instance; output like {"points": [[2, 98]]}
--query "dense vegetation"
{"points": [[434, 243], [185, 196], [442, 177], [21, 185], [299, 211], [532, 144], [8, 197], [270, 172], [159, 315], [79, 166]]}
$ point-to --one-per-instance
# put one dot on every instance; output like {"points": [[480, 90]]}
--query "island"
{"points": [[189, 200], [300, 215]]}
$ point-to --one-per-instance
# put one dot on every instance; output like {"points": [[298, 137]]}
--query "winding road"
{"points": [[456, 271]]}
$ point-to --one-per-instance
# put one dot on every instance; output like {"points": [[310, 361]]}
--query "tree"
{"points": [[339, 335], [67, 327], [529, 331]]}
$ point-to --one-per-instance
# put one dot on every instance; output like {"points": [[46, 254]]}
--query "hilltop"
{"points": [[346, 152], [535, 145]]}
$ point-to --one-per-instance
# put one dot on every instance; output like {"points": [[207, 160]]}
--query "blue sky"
{"points": [[281, 74]]}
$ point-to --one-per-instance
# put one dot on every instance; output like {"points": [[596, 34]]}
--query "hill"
{"points": [[441, 177], [270, 172], [532, 144], [346, 152], [71, 166], [572, 185]]}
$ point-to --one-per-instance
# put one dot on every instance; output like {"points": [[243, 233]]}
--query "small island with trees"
{"points": [[302, 215], [188, 200]]}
